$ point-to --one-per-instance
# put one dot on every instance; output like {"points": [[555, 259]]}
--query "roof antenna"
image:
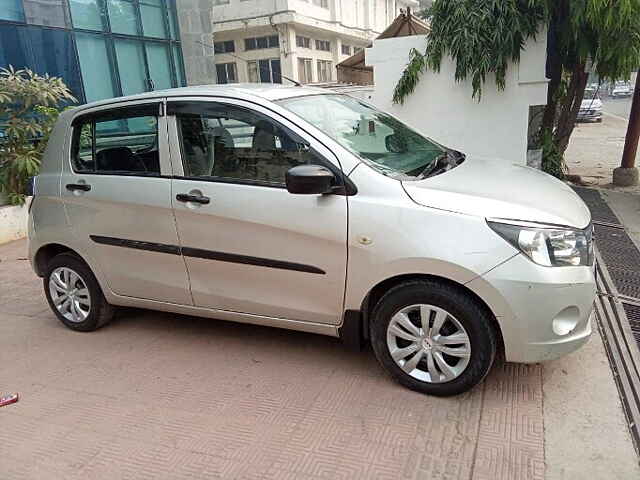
{"points": [[295, 82]]}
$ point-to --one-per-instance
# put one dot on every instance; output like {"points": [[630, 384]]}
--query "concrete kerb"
{"points": [[625, 177]]}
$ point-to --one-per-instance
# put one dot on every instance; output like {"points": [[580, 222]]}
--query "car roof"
{"points": [[248, 91]]}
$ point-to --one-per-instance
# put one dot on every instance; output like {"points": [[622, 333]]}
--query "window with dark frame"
{"points": [[257, 43], [264, 71], [226, 72], [126, 46], [346, 49], [101, 48], [153, 17], [324, 45], [30, 46], [225, 46], [324, 70], [303, 42], [305, 70], [12, 10], [52, 13]]}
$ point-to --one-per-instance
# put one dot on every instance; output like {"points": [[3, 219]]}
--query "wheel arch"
{"points": [[375, 294], [47, 252]]}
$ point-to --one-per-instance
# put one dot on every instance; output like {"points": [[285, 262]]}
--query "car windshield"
{"points": [[381, 140], [591, 94]]}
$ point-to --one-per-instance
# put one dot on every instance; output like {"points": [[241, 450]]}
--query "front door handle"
{"points": [[187, 197], [78, 186]]}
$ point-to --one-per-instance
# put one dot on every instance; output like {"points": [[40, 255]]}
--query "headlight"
{"points": [[548, 245]]}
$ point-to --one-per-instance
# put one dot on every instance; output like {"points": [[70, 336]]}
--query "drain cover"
{"points": [[600, 211], [633, 315], [617, 249], [622, 259]]}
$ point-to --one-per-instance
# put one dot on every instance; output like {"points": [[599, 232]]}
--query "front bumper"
{"points": [[589, 115], [543, 312]]}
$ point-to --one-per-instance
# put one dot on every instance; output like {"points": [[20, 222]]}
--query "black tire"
{"points": [[100, 312], [473, 317]]}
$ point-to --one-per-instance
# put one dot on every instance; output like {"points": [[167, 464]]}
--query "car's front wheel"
{"points": [[74, 294], [433, 337]]}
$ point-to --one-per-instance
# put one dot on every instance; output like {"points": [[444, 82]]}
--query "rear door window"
{"points": [[118, 142]]}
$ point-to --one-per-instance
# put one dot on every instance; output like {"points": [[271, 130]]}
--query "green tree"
{"points": [[29, 107], [484, 36]]}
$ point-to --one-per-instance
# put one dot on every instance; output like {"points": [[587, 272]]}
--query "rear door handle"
{"points": [[187, 197], [78, 186]]}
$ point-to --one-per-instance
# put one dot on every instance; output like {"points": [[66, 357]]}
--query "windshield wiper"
{"points": [[455, 156], [429, 169]]}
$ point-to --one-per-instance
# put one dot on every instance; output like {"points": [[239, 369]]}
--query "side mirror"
{"points": [[310, 180]]}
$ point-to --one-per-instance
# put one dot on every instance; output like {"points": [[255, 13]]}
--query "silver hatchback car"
{"points": [[300, 208]]}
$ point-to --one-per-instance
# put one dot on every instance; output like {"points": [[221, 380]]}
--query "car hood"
{"points": [[591, 104], [499, 189]]}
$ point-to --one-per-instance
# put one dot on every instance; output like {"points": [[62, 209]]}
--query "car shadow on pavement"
{"points": [[261, 341]]}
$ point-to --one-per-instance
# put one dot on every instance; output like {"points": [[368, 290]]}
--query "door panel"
{"points": [[119, 203], [264, 251], [255, 248]]}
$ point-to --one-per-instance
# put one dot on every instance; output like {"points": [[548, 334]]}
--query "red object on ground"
{"points": [[8, 399]]}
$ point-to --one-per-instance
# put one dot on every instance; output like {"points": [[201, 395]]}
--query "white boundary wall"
{"points": [[13, 222], [443, 109]]}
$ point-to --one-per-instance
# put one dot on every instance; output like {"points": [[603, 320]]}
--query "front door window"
{"points": [[225, 142]]}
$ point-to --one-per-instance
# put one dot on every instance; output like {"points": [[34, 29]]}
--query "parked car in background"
{"points": [[621, 89], [591, 106], [304, 209]]}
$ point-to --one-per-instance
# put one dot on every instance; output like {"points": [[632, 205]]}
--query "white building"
{"points": [[260, 40]]}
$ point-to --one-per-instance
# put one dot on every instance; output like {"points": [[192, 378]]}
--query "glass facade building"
{"points": [[100, 48]]}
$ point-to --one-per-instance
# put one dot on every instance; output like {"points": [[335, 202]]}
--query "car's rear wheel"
{"points": [[433, 337], [74, 294]]}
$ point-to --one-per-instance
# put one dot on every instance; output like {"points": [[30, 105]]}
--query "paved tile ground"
{"points": [[156, 395]]}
